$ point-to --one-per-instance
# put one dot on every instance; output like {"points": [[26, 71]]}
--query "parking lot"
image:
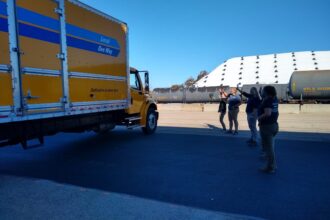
{"points": [[187, 170]]}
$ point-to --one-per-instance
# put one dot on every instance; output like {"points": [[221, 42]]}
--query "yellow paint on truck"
{"points": [[6, 98], [90, 90]]}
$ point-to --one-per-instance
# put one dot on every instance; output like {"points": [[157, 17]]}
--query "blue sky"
{"points": [[176, 39]]}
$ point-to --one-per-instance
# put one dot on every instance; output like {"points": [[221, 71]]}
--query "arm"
{"points": [[260, 91], [222, 93], [238, 104], [244, 93], [266, 114], [247, 95]]}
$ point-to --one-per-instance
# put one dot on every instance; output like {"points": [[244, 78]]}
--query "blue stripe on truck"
{"points": [[53, 37], [89, 35], [37, 19], [53, 24], [27, 30], [3, 8], [3, 25], [38, 33], [85, 45]]}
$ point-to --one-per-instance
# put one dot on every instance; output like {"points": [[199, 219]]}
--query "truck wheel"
{"points": [[151, 124]]}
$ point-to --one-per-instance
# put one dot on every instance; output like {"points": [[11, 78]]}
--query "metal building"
{"points": [[265, 69]]}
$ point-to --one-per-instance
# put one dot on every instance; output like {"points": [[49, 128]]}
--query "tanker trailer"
{"points": [[314, 84]]}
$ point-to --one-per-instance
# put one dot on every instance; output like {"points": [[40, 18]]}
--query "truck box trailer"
{"points": [[64, 67]]}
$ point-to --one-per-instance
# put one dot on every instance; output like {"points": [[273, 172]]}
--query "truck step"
{"points": [[131, 119]]}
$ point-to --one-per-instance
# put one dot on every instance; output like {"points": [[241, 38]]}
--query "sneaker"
{"points": [[267, 169], [235, 133]]}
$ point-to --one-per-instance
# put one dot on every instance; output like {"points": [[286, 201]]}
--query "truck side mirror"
{"points": [[146, 81]]}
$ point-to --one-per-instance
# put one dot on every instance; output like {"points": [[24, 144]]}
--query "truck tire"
{"points": [[151, 123]]}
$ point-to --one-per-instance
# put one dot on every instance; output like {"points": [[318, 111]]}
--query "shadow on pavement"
{"points": [[176, 166], [212, 130]]}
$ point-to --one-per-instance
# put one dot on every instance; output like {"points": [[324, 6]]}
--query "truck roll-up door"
{"points": [[6, 98], [39, 37]]}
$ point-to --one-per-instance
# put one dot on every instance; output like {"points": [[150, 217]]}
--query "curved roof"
{"points": [[265, 69]]}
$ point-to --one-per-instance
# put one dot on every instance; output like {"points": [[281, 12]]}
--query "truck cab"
{"points": [[142, 111]]}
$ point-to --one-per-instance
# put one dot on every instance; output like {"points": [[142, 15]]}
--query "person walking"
{"points": [[268, 126], [222, 107], [234, 101], [252, 105]]}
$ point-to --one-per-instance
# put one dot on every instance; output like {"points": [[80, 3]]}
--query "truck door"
{"points": [[6, 99], [39, 55], [137, 96]]}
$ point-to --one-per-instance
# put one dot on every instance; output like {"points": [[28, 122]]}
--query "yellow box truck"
{"points": [[64, 67]]}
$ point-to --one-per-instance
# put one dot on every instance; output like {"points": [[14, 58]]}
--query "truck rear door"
{"points": [[6, 99], [39, 55]]}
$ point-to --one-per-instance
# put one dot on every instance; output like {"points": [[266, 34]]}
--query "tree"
{"points": [[189, 82], [202, 74], [176, 87]]}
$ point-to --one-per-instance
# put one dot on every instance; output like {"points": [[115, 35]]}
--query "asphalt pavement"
{"points": [[169, 175]]}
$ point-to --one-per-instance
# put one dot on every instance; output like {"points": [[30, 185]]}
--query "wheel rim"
{"points": [[152, 121]]}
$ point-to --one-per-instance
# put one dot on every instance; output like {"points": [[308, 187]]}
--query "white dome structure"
{"points": [[265, 69]]}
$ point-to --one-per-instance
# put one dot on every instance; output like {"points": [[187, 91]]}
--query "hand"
{"points": [[238, 89]]}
